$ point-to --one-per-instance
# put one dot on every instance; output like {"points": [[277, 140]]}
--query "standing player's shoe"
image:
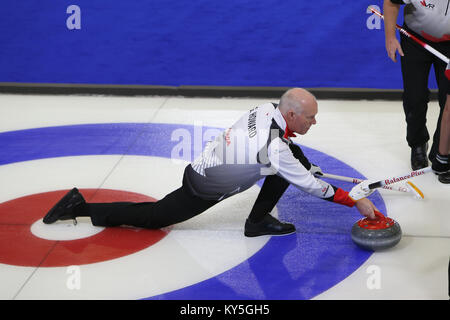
{"points": [[63, 210], [444, 177], [419, 157], [268, 226]]}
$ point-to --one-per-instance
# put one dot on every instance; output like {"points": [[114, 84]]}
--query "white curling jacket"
{"points": [[257, 145]]}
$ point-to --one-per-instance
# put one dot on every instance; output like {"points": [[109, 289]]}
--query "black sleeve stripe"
{"points": [[332, 197], [299, 155]]}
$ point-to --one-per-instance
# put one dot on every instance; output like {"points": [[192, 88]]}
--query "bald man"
{"points": [[258, 146]]}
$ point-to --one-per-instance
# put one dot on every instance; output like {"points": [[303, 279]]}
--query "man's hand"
{"points": [[391, 11], [366, 208], [315, 170], [360, 191], [392, 46]]}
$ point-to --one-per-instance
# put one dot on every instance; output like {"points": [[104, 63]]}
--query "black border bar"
{"points": [[198, 91]]}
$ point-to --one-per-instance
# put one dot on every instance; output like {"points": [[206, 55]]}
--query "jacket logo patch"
{"points": [[427, 5]]}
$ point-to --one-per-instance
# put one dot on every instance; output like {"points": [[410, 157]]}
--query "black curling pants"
{"points": [[416, 65], [274, 187], [177, 206], [271, 191]]}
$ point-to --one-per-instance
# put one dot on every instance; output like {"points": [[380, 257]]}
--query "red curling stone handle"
{"points": [[380, 222]]}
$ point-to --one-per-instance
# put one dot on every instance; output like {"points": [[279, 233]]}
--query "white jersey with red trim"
{"points": [[257, 145], [428, 18]]}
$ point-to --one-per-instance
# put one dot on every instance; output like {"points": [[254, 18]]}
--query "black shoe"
{"points": [[433, 152], [444, 177], [419, 157], [440, 164], [268, 226], [63, 210]]}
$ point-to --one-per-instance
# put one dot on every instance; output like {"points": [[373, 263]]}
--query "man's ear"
{"points": [[291, 114]]}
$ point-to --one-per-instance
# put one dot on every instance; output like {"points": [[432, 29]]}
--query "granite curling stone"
{"points": [[377, 234]]}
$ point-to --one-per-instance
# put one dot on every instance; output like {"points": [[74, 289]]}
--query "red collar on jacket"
{"points": [[288, 133]]}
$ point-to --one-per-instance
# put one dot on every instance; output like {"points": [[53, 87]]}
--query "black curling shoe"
{"points": [[444, 178], [419, 158], [63, 210], [268, 226]]}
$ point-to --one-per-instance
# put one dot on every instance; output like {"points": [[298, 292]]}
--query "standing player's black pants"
{"points": [[416, 65]]}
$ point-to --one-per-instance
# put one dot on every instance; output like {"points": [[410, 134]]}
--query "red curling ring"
{"points": [[19, 247]]}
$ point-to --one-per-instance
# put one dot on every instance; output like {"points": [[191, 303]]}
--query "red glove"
{"points": [[342, 197]]}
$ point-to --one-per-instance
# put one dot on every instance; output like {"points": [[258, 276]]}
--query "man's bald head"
{"points": [[299, 108], [297, 100]]}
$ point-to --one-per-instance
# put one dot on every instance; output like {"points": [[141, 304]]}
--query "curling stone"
{"points": [[377, 234]]}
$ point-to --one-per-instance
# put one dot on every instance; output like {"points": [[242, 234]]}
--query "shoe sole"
{"points": [[443, 181], [252, 235], [50, 218]]}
